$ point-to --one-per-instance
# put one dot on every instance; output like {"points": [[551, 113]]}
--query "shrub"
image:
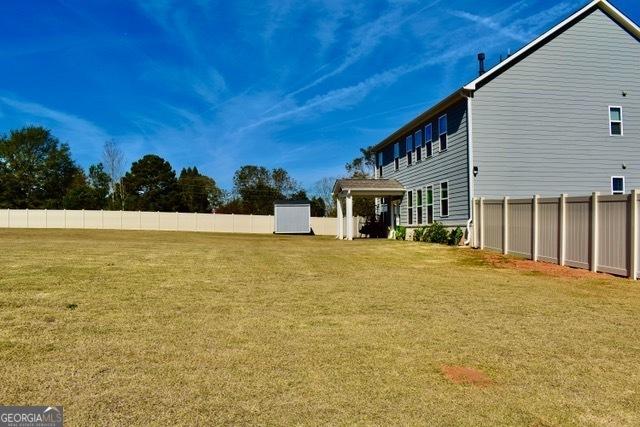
{"points": [[455, 236], [401, 232], [436, 233], [418, 234]]}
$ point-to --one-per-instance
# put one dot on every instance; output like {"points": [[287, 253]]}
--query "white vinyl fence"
{"points": [[166, 221]]}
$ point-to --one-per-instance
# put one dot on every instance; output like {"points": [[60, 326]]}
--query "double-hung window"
{"points": [[417, 139], [444, 199], [380, 158], [442, 131], [617, 185], [429, 204], [428, 140], [615, 121], [409, 207], [409, 147], [419, 207], [396, 156]]}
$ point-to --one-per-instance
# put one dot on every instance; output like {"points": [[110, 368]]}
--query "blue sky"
{"points": [[294, 84]]}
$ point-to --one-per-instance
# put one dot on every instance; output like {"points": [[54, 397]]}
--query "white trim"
{"points": [[605, 5], [611, 121], [426, 189], [430, 141], [447, 199], [412, 207], [623, 185], [445, 133], [470, 154], [419, 218]]}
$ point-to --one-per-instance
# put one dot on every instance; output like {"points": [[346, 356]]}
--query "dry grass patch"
{"points": [[185, 328]]}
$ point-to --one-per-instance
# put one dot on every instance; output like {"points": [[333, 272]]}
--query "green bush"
{"points": [[435, 233], [401, 232], [418, 233], [455, 236]]}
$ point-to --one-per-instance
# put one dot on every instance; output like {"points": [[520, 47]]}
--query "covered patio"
{"points": [[345, 190]]}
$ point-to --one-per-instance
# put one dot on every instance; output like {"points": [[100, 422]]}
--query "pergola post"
{"points": [[349, 216], [340, 218]]}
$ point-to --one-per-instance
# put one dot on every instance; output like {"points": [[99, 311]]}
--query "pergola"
{"points": [[346, 189]]}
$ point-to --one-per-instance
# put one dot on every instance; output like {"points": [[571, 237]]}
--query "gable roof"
{"points": [[365, 186], [520, 54]]}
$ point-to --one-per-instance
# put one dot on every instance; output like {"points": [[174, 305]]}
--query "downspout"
{"points": [[469, 96]]}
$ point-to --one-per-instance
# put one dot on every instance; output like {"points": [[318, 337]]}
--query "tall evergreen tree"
{"points": [[151, 185], [198, 193]]}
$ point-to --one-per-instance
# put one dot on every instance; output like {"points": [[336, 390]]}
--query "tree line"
{"points": [[37, 171]]}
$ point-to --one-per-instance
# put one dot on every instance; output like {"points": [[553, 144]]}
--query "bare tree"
{"points": [[324, 189], [113, 159]]}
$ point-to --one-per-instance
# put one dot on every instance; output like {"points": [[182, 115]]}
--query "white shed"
{"points": [[292, 217]]}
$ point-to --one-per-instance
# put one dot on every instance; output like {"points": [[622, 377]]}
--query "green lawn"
{"points": [[185, 328]]}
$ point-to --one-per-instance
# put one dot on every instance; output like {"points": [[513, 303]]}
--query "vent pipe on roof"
{"points": [[481, 63]]}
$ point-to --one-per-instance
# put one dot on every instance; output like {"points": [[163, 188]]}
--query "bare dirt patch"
{"points": [[464, 375], [548, 269]]}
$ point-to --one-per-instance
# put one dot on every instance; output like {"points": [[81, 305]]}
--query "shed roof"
{"points": [[468, 89], [373, 187]]}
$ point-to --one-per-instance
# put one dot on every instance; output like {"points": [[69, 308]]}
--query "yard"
{"points": [[185, 328]]}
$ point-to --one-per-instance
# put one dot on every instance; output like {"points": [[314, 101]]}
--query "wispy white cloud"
{"points": [[85, 136]]}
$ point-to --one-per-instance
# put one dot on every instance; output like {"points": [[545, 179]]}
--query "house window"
{"points": [[419, 207], [380, 164], [428, 140], [617, 185], [442, 130], [430, 204], [615, 121], [409, 147], [417, 138], [396, 156], [444, 199], [409, 207]]}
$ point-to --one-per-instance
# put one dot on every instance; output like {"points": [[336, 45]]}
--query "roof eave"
{"points": [[446, 102], [605, 5]]}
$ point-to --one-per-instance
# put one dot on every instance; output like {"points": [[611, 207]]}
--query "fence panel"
{"points": [[613, 243], [520, 226], [149, 220], [112, 220], [493, 224], [18, 219], [548, 229], [37, 218], [93, 219], [578, 236]]}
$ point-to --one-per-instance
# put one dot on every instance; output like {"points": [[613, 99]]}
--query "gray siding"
{"points": [[450, 165], [543, 127]]}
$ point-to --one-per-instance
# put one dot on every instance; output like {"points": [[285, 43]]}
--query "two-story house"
{"points": [[561, 115]]}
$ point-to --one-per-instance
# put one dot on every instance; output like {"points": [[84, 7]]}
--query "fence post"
{"points": [[233, 223], [102, 218], [83, 223], [250, 223], [158, 220], [534, 229], [562, 236], [8, 218], [505, 225], [633, 246], [46, 220], [27, 213], [121, 213], [177, 221], [481, 227], [474, 223], [64, 212], [594, 231], [196, 218]]}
